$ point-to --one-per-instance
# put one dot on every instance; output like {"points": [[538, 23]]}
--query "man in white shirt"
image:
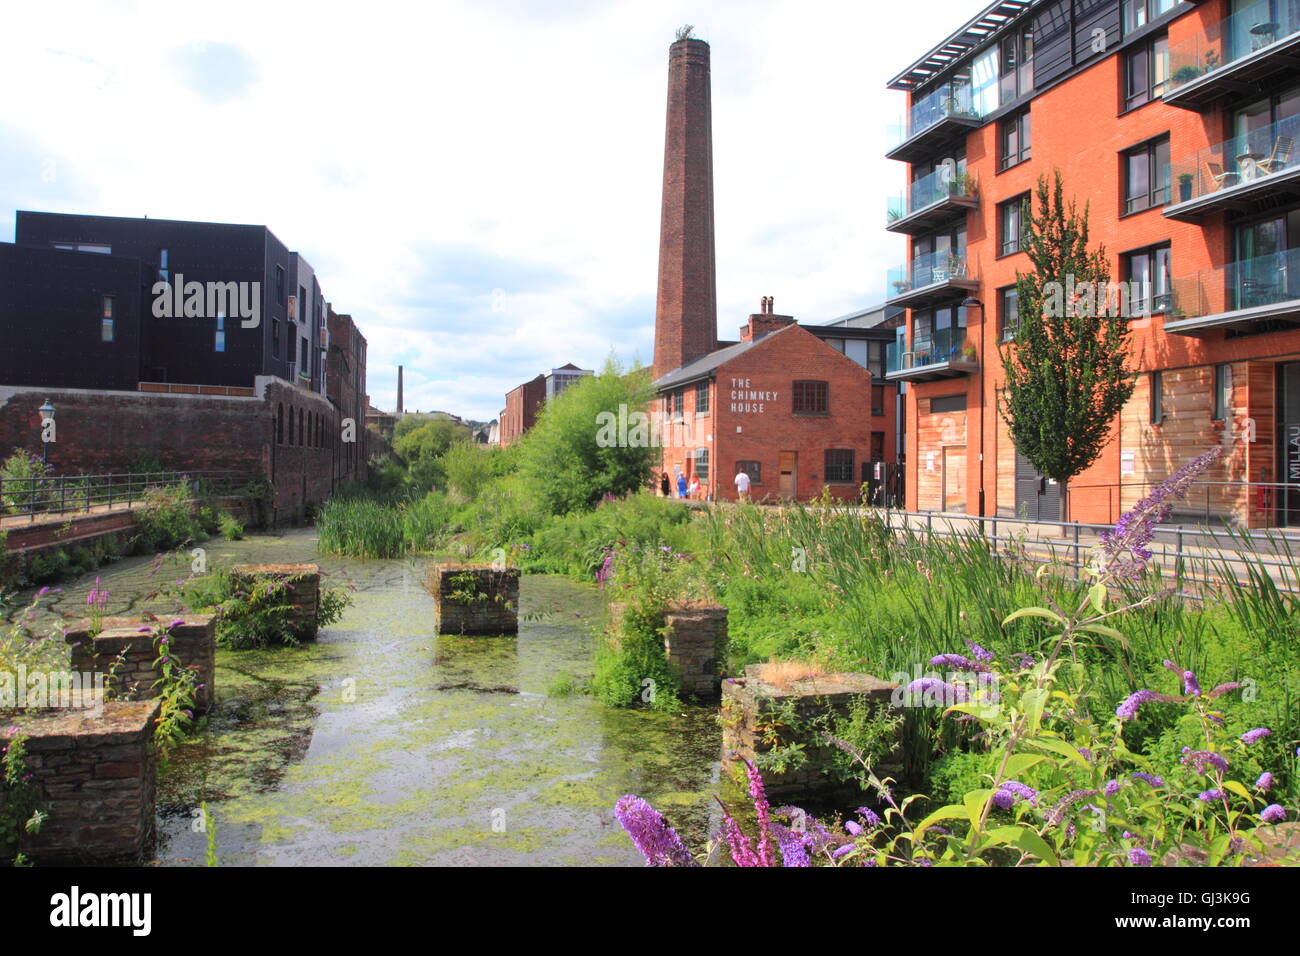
{"points": [[742, 485]]}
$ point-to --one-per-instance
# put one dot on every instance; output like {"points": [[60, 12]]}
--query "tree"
{"points": [[1067, 374], [563, 458]]}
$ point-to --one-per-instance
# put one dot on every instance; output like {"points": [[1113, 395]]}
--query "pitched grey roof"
{"points": [[703, 365]]}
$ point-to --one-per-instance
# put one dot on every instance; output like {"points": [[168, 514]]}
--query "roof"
{"points": [[705, 364], [975, 32]]}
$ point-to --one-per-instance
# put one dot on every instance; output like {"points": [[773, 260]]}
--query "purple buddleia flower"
{"points": [[1265, 782], [657, 841], [1253, 736], [979, 652], [957, 662], [1223, 689], [1191, 686], [1151, 780], [1200, 759], [935, 690], [1057, 813], [1139, 857], [1129, 709], [853, 827], [841, 851], [792, 844], [1013, 790], [1209, 796], [869, 816], [1273, 813], [1125, 548], [1112, 787]]}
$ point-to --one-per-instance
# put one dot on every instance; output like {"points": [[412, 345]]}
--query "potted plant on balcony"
{"points": [[1184, 187], [968, 353], [1185, 74]]}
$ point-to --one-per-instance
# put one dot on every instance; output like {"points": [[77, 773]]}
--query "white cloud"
{"points": [[521, 142]]}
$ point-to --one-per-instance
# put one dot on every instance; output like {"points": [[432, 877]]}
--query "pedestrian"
{"points": [[663, 486], [694, 490], [681, 484], [742, 485]]}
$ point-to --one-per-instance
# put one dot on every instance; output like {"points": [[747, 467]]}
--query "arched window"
{"points": [[292, 421], [301, 427], [279, 423]]}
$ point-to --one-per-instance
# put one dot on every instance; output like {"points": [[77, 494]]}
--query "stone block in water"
{"points": [[474, 598]]}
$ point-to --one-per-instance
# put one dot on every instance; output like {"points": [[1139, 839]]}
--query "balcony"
{"points": [[932, 201], [935, 118], [1236, 174], [941, 354], [931, 278], [1234, 55], [1260, 294]]}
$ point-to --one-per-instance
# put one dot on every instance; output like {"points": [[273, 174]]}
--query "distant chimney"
{"points": [[399, 390], [686, 309]]}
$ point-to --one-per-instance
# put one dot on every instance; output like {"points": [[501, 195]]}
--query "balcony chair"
{"points": [[1279, 158], [1221, 176]]}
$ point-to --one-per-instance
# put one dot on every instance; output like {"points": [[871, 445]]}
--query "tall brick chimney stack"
{"points": [[686, 311], [398, 411]]}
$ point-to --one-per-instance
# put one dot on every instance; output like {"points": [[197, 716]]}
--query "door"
{"points": [[1037, 498], [954, 478], [789, 469], [1288, 404]]}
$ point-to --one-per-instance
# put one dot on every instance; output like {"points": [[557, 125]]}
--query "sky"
{"points": [[478, 184]]}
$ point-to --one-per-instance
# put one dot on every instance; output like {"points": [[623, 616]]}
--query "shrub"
{"points": [[230, 527], [166, 520], [259, 615], [25, 484]]}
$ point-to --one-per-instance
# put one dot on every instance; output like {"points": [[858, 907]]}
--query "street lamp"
{"points": [[47, 422]]}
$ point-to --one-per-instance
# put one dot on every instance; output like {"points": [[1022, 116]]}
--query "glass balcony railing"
{"points": [[932, 269], [1250, 283], [1228, 41], [893, 357], [940, 347], [949, 100], [940, 185], [1248, 158]]}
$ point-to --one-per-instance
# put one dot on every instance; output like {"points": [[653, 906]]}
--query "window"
{"points": [[877, 399], [702, 398], [1146, 176], [948, 403], [1138, 13], [219, 337], [1157, 398], [1013, 140], [279, 284], [1147, 271], [303, 368], [810, 398], [279, 423], [1011, 225], [275, 338], [753, 469], [1008, 312], [876, 359], [1222, 392], [164, 271], [839, 464], [106, 319], [679, 403], [1146, 68], [702, 464], [1015, 65], [85, 247]]}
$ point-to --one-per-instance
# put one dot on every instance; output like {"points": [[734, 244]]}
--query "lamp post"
{"points": [[970, 302], [47, 423]]}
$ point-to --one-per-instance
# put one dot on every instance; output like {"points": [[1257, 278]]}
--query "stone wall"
{"points": [[694, 641], [127, 657], [493, 607], [302, 591], [750, 705], [96, 778]]}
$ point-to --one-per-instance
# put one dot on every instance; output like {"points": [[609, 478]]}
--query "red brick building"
{"points": [[522, 405], [1177, 123]]}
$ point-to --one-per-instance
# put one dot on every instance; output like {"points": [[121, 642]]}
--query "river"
{"points": [[382, 743]]}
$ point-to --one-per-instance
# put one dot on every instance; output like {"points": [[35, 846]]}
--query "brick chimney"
{"points": [[764, 321], [399, 408], [686, 310]]}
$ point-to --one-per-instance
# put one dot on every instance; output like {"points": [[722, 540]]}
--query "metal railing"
{"points": [[1246, 32], [952, 99], [1251, 157], [942, 184], [52, 495], [929, 269]]}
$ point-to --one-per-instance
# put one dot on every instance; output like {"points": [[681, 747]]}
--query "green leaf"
{"points": [[1019, 763], [1097, 594], [975, 801], [1027, 840], [1035, 612], [951, 812], [1238, 789], [1058, 747]]}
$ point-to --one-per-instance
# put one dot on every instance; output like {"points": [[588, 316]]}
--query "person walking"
{"points": [[663, 486], [681, 485], [742, 485], [693, 491]]}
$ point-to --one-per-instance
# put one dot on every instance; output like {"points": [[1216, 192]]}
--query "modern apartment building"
{"points": [[1177, 122]]}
